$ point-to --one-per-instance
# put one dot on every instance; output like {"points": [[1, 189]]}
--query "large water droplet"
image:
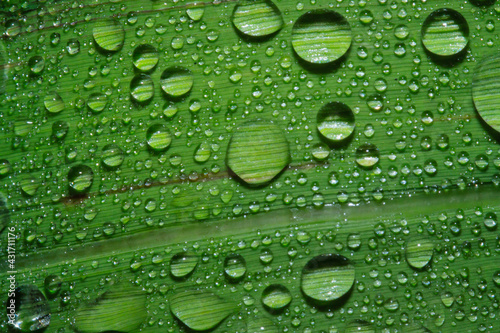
{"points": [[419, 252], [142, 88], [276, 297], [182, 264], [52, 285], [36, 65], [321, 36], [80, 178], [158, 137], [260, 324], [4, 212], [176, 81], [367, 155], [97, 102], [486, 90], [195, 13], [28, 310], [145, 57], [327, 277], [109, 35], [257, 18], [335, 121], [53, 103], [112, 156], [235, 267], [199, 310], [257, 152], [445, 32]]}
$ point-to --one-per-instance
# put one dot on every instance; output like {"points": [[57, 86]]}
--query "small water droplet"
{"points": [[52, 285], [36, 65], [97, 102], [195, 13], [486, 90], [367, 155]]}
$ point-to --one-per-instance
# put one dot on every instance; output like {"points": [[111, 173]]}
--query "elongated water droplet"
{"points": [[486, 90], [158, 137], [335, 121], [257, 152], [235, 267], [199, 310], [445, 32], [182, 264], [276, 297], [321, 36], [29, 308], [327, 277], [419, 252], [176, 81], [142, 88], [257, 18], [80, 178], [109, 35], [53, 103], [145, 57]]}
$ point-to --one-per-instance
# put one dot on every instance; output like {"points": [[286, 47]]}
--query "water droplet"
{"points": [[31, 309], [195, 13], [200, 310], [53, 102], [276, 297], [109, 35], [12, 28], [202, 153], [367, 155], [257, 152], [235, 267], [320, 152], [145, 57], [486, 90], [158, 137], [5, 167], [401, 31], [327, 277], [261, 324], [112, 156], [419, 252], [36, 65], [80, 178], [490, 221], [257, 18], [60, 129], [321, 36], [73, 46], [142, 88], [176, 81], [29, 186], [52, 285], [182, 264], [359, 326], [447, 299], [445, 32], [97, 102], [335, 121], [366, 16]]}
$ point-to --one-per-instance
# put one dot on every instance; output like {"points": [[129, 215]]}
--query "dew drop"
{"points": [[257, 152], [32, 310], [195, 13], [97, 102], [419, 252], [327, 277], [53, 103], [80, 178], [142, 88], [158, 137], [335, 121], [182, 264], [73, 46], [257, 18], [176, 81], [235, 267], [109, 35], [445, 32], [145, 57], [60, 129], [321, 36], [367, 155], [276, 297], [112, 156], [52, 285], [36, 65], [486, 90]]}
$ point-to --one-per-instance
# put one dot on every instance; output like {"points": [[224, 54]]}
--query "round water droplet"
{"points": [[80, 178], [276, 297], [12, 28], [335, 121], [327, 277], [170, 109], [182, 264], [36, 65], [29, 186], [112, 156], [176, 81], [235, 267], [257, 18], [200, 310], [109, 35], [195, 13], [257, 152], [419, 252], [32, 310], [367, 155], [158, 137], [60, 129], [486, 90], [142, 88], [97, 102], [145, 57], [321, 36], [73, 46], [5, 167], [52, 285], [320, 152], [445, 32], [53, 102], [447, 299], [202, 153]]}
